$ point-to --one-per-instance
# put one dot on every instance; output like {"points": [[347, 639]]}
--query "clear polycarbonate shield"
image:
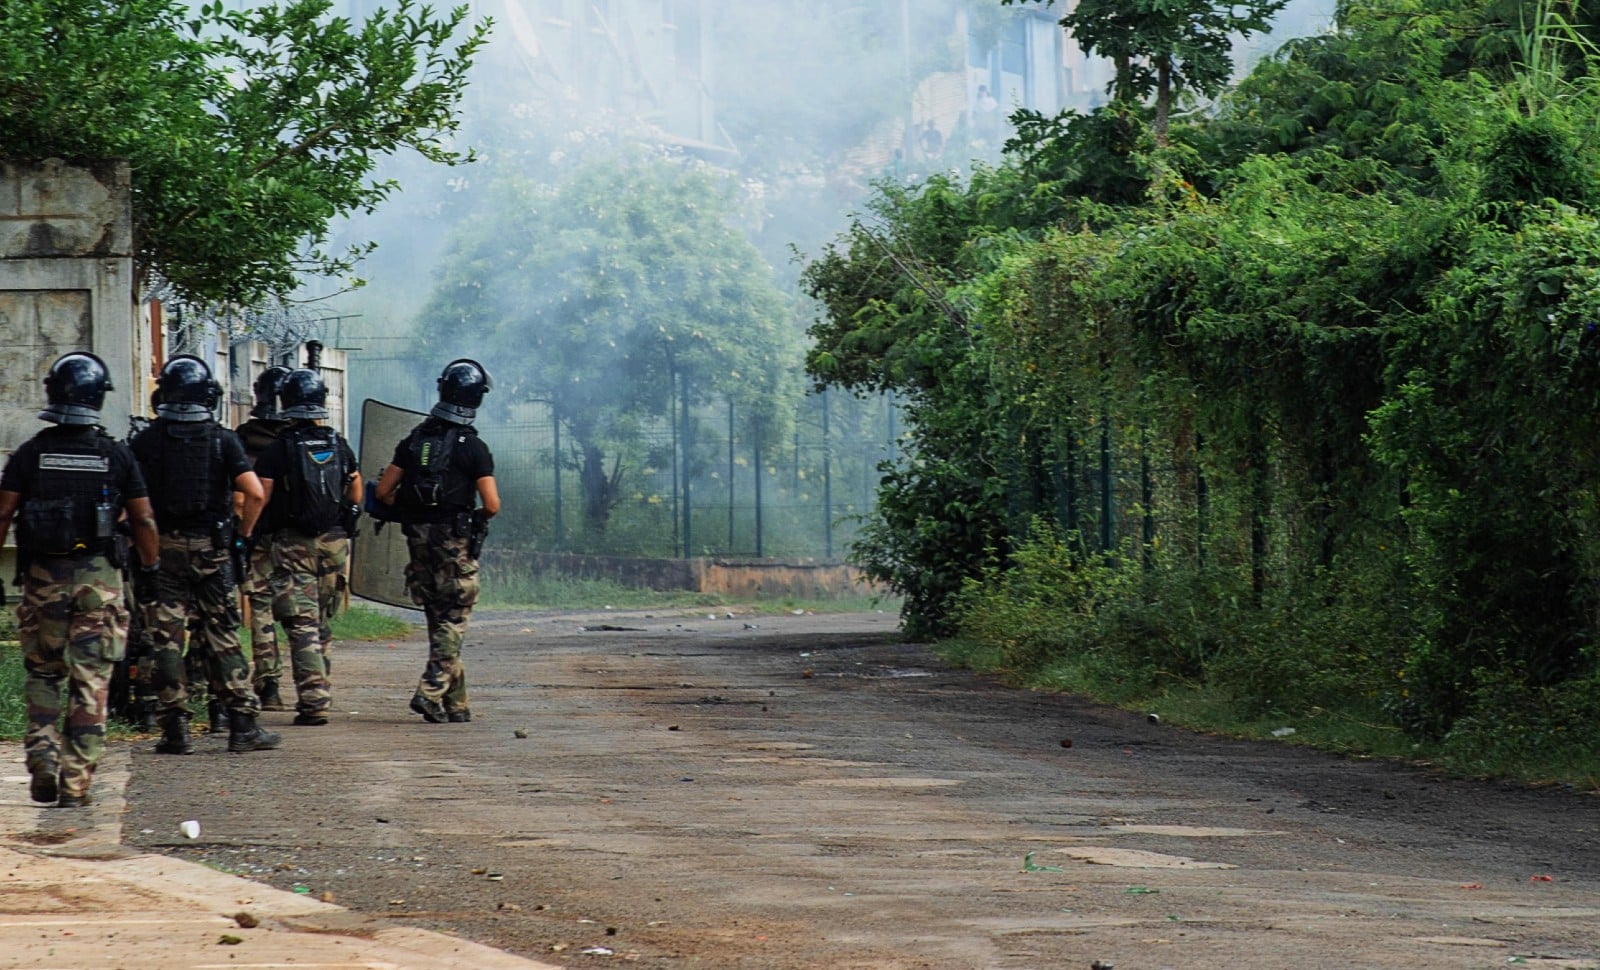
{"points": [[378, 556]]}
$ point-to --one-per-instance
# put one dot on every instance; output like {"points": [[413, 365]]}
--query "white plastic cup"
{"points": [[190, 829]]}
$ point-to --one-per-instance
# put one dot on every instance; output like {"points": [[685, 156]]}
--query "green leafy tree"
{"points": [[1161, 48], [613, 295], [248, 130]]}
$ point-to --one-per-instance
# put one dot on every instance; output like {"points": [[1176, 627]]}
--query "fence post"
{"points": [[688, 474], [672, 419], [760, 471], [1108, 533], [827, 481], [555, 416]]}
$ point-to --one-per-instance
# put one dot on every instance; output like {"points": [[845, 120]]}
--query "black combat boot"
{"points": [[271, 699], [43, 787], [218, 716], [175, 734], [246, 736], [430, 710], [147, 714]]}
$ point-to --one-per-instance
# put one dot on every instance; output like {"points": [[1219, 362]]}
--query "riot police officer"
{"points": [[313, 487], [194, 466], [258, 433], [66, 487], [436, 481]]}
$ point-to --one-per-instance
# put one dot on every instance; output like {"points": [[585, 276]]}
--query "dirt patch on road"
{"points": [[809, 792]]}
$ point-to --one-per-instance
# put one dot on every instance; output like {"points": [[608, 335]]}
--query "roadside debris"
{"points": [[1028, 866]]}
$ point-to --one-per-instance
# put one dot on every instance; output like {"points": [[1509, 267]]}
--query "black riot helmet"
{"points": [[75, 389], [303, 395], [186, 390], [462, 386], [266, 391]]}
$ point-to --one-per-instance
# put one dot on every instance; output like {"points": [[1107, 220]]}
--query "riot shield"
{"points": [[378, 558]]}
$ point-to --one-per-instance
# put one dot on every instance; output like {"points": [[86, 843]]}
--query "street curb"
{"points": [[75, 896]]}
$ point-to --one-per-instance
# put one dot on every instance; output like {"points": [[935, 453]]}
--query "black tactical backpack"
{"points": [[316, 479], [427, 482]]}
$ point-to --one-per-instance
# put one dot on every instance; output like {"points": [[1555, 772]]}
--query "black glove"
{"points": [[348, 519], [243, 547], [480, 532], [145, 589]]}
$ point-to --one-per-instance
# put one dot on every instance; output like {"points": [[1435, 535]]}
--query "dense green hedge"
{"points": [[1313, 418]]}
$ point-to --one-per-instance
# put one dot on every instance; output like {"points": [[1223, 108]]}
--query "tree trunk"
{"points": [[1163, 99], [601, 489]]}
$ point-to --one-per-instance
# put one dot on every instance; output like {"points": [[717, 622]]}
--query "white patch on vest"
{"points": [[75, 463]]}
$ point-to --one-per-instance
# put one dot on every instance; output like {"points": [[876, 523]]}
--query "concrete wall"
{"points": [[66, 283], [746, 579]]}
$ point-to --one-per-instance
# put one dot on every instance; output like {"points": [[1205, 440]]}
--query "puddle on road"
{"points": [[803, 762], [880, 782], [1138, 859], [880, 673], [1186, 831]]}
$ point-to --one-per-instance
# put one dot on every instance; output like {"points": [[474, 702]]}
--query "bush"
{"points": [[1107, 626], [1534, 733]]}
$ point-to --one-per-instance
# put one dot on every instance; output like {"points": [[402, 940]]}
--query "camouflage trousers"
{"points": [[333, 563], [442, 579], [195, 585], [264, 656], [303, 568], [73, 628]]}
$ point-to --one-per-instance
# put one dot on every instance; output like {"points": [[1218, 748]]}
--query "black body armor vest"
{"points": [[182, 461], [75, 501]]}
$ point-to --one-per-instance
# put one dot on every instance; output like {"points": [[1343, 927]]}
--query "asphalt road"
{"points": [[810, 792]]}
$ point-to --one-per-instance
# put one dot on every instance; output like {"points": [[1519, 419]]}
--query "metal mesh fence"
{"points": [[699, 487], [703, 489]]}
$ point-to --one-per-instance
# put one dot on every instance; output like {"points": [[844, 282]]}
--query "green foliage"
{"points": [[365, 623], [13, 706], [248, 131], [1160, 48], [1191, 43], [618, 291], [1125, 631], [1297, 411], [1541, 734], [1492, 427]]}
